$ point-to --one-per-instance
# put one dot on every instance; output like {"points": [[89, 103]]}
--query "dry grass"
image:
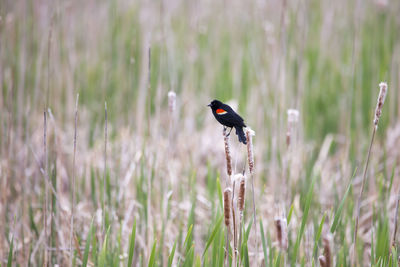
{"points": [[155, 155]]}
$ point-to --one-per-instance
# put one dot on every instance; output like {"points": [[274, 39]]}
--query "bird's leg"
{"points": [[229, 132]]}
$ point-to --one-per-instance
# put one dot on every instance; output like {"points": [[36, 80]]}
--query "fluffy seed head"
{"points": [[242, 190], [293, 115], [381, 100], [171, 101], [293, 118]]}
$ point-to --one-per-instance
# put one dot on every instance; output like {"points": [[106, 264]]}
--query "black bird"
{"points": [[229, 118]]}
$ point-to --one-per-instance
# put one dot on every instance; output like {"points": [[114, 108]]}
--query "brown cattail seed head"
{"points": [[326, 241], [242, 190], [379, 104], [322, 261], [250, 156], [227, 153], [171, 101], [227, 205], [281, 232]]}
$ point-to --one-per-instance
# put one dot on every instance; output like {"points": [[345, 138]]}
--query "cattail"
{"points": [[250, 156], [327, 249], [227, 154], [171, 101], [227, 207], [293, 118], [241, 196], [379, 104], [281, 232], [322, 261]]}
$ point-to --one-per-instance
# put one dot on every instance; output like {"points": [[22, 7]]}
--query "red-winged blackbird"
{"points": [[229, 118]]}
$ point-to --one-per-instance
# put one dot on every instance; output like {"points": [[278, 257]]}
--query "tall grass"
{"points": [[144, 182]]}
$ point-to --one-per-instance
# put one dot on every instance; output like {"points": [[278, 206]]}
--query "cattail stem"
{"points": [[378, 113], [241, 198], [361, 192], [73, 182], [46, 186], [235, 246], [250, 156]]}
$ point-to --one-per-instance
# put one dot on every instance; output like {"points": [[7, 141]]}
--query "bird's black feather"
{"points": [[229, 118]]}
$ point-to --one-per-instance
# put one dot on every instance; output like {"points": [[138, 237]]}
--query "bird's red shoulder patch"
{"points": [[221, 111]]}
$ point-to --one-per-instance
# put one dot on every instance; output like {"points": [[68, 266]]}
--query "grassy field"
{"points": [[102, 165]]}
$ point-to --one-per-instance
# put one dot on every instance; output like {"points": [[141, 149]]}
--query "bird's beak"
{"points": [[209, 105]]}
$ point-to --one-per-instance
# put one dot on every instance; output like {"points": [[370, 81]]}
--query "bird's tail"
{"points": [[240, 134]]}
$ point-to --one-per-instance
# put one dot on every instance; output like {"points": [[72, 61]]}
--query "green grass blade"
{"points": [[87, 246], [132, 243], [103, 253], [318, 235], [188, 238], [341, 205], [189, 257], [152, 259], [10, 253], [219, 192], [304, 220], [246, 255], [290, 214], [171, 255], [213, 233], [264, 244]]}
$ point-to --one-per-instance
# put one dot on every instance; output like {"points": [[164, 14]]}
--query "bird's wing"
{"points": [[234, 116]]}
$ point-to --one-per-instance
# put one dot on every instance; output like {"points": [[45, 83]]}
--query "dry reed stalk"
{"points": [[73, 183], [378, 113], [105, 170], [250, 156], [46, 185], [281, 232], [149, 229], [45, 263]]}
